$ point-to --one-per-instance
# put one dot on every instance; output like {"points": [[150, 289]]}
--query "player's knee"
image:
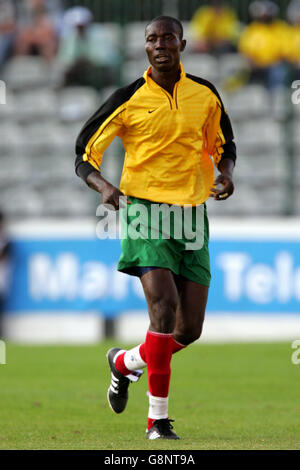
{"points": [[188, 334], [162, 313]]}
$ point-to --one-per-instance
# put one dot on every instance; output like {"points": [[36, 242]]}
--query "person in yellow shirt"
{"points": [[215, 28], [174, 128], [263, 42]]}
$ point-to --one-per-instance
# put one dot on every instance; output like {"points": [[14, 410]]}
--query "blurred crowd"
{"points": [[42, 27], [271, 44]]}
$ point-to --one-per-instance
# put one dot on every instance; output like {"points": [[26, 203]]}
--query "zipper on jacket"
{"points": [[167, 95], [175, 90], [171, 99]]}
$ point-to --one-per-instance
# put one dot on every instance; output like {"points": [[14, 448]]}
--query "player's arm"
{"points": [[95, 136], [110, 194], [221, 146]]}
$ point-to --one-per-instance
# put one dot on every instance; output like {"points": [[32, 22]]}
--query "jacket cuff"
{"points": [[84, 169]]}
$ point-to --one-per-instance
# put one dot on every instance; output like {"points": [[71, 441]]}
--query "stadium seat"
{"points": [[77, 103], [296, 133], [22, 203], [133, 69], [26, 72], [188, 36], [135, 40], [251, 101], [36, 105], [64, 201], [43, 138], [251, 200], [297, 200], [70, 130], [14, 169], [258, 136], [261, 168], [7, 110], [281, 104], [232, 64], [10, 138], [112, 33], [36, 140], [201, 65]]}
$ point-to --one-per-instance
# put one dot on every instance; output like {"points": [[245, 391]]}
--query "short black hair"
{"points": [[167, 18]]}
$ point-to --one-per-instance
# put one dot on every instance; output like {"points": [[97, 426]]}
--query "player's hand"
{"points": [[226, 187], [111, 195]]}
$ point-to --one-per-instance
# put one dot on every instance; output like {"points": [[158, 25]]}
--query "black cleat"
{"points": [[117, 394], [161, 429]]}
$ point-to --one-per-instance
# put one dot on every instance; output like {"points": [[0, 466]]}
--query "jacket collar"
{"points": [[151, 82]]}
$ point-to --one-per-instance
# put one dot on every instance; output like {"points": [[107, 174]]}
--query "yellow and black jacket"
{"points": [[168, 140]]}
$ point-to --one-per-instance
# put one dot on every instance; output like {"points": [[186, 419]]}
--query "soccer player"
{"points": [[172, 125]]}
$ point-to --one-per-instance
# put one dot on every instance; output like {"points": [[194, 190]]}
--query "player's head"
{"points": [[263, 11], [164, 42], [293, 12], [218, 4]]}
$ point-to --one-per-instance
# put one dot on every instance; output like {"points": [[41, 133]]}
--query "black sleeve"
{"points": [[229, 148]]}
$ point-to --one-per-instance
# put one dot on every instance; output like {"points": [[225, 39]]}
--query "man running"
{"points": [[174, 128]]}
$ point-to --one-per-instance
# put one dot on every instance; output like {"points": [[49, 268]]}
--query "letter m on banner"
{"points": [[2, 352], [2, 92]]}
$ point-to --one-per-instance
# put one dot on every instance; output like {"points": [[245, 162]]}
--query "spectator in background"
{"points": [[293, 49], [263, 42], [215, 28], [89, 55], [4, 269], [36, 31], [7, 30]]}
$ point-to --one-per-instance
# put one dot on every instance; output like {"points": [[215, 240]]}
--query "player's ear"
{"points": [[183, 44]]}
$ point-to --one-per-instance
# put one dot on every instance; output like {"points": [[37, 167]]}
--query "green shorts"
{"points": [[165, 237]]}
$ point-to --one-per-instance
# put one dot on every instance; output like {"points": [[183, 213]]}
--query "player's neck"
{"points": [[167, 79]]}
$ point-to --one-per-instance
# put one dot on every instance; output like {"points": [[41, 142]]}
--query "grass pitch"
{"points": [[235, 396]]}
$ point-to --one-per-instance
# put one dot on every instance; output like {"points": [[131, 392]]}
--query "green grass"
{"points": [[235, 396]]}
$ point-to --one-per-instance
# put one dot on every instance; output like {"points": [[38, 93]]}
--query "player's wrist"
{"points": [[227, 174]]}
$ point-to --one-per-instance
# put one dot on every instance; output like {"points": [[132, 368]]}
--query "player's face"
{"points": [[164, 45]]}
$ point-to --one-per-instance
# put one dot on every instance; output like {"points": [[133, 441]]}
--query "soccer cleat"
{"points": [[117, 394], [161, 429]]}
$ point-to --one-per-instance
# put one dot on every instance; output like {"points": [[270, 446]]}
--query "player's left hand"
{"points": [[225, 181]]}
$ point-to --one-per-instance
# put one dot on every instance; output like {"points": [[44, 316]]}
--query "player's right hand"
{"points": [[111, 195]]}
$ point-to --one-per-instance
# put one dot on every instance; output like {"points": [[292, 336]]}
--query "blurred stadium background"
{"points": [[59, 282]]}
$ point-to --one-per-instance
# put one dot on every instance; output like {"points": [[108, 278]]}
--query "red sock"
{"points": [[120, 366], [142, 351], [175, 347], [150, 423], [158, 353]]}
